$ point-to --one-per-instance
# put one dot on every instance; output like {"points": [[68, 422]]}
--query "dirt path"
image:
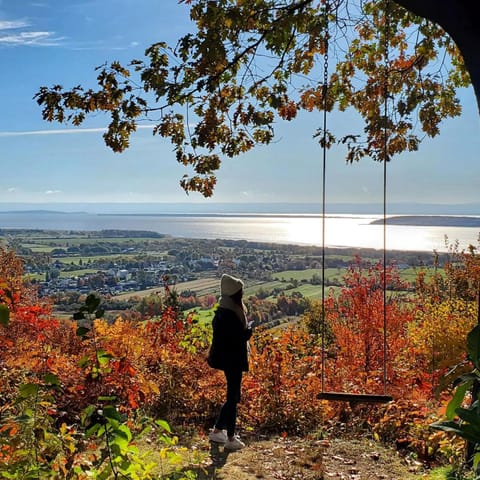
{"points": [[302, 459], [366, 460]]}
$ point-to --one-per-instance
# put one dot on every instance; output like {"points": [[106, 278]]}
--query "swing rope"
{"points": [[385, 158], [324, 168], [345, 396]]}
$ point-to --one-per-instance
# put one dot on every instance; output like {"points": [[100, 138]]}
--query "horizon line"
{"points": [[231, 202]]}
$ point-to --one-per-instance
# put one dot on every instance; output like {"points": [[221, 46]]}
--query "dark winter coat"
{"points": [[229, 344]]}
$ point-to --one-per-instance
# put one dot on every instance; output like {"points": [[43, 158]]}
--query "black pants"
{"points": [[228, 413]]}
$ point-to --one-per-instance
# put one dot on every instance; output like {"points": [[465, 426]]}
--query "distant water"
{"points": [[340, 230]]}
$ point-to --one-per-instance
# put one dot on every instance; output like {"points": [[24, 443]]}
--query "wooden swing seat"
{"points": [[354, 397]]}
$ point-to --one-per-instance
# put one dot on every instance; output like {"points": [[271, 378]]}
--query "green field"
{"points": [[335, 275], [95, 258], [202, 316], [267, 286], [307, 275], [63, 274], [76, 239], [312, 292], [410, 274]]}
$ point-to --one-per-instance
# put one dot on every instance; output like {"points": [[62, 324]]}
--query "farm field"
{"points": [[81, 270], [206, 286], [203, 286], [202, 316], [210, 286], [331, 274], [252, 289], [312, 292], [335, 274]]}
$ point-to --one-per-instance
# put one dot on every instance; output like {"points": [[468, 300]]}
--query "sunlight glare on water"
{"points": [[340, 231], [357, 231]]}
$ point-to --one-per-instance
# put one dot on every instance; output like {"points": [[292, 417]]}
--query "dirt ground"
{"points": [[303, 459]]}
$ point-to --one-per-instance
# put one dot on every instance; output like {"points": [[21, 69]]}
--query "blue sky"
{"points": [[46, 42]]}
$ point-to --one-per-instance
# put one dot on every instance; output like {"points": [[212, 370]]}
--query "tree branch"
{"points": [[458, 19], [286, 10]]}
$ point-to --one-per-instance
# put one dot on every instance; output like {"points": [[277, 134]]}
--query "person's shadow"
{"points": [[218, 455]]}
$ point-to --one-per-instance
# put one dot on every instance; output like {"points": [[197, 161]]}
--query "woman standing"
{"points": [[229, 353]]}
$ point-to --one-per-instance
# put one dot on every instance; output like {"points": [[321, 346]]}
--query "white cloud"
{"points": [[45, 39], [11, 190], [66, 131], [24, 37], [52, 192], [12, 24]]}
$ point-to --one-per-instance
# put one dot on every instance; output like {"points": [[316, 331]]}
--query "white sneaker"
{"points": [[218, 437], [234, 444]]}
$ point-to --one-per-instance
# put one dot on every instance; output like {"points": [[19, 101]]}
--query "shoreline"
{"points": [[112, 234]]}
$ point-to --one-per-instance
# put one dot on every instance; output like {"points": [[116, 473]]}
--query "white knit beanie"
{"points": [[230, 285]]}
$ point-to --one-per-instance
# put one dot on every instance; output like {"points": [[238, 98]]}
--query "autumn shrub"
{"points": [[208, 301], [280, 392], [368, 332], [149, 305], [446, 310], [313, 321], [70, 387], [78, 423], [261, 312], [31, 445], [35, 444], [462, 274], [439, 332], [29, 334], [405, 424]]}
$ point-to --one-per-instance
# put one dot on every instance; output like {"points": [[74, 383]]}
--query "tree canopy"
{"points": [[218, 92]]}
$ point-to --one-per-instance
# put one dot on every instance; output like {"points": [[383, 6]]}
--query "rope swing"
{"points": [[354, 398]]}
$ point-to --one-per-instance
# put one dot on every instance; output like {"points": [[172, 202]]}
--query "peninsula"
{"points": [[431, 221]]}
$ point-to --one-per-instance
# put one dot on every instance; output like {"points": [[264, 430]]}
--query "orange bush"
{"points": [[362, 329], [281, 389]]}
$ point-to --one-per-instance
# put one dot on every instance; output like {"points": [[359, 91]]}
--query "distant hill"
{"points": [[430, 221], [37, 212]]}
